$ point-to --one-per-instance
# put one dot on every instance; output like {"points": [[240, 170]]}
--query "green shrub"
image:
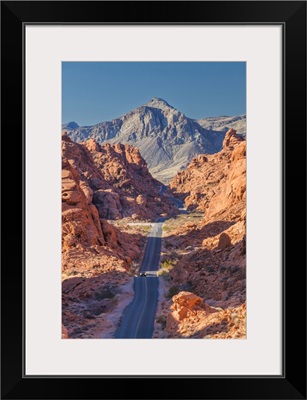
{"points": [[166, 267]]}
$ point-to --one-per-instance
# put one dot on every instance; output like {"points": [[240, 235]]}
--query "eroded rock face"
{"points": [[214, 261], [231, 139], [215, 183], [80, 220], [185, 305], [205, 322], [90, 244], [115, 179], [131, 190], [100, 183]]}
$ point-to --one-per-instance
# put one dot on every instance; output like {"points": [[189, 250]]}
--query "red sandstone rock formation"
{"points": [[130, 189], [215, 183], [116, 180], [100, 183], [193, 318], [215, 267]]}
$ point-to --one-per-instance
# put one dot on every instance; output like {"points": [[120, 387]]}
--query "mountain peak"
{"points": [[70, 125], [157, 102]]}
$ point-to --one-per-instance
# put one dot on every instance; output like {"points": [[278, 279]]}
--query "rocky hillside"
{"points": [[83, 227], [166, 138], [215, 183], [116, 180], [100, 183], [208, 256]]}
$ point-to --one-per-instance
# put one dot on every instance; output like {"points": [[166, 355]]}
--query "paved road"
{"points": [[162, 189], [139, 315], [178, 203], [138, 318], [180, 206]]}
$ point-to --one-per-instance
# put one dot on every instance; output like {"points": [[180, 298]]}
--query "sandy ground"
{"points": [[140, 223], [160, 313], [107, 323]]}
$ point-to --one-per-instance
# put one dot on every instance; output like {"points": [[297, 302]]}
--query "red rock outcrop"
{"points": [[215, 183], [80, 220], [100, 182], [191, 317], [130, 189], [115, 178], [210, 254], [87, 239], [185, 305]]}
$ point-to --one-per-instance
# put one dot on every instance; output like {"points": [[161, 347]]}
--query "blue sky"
{"points": [[93, 92]]}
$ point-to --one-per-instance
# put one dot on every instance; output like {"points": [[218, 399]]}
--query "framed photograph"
{"points": [[163, 148]]}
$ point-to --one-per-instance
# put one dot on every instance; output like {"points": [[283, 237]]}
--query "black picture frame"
{"points": [[292, 16]]}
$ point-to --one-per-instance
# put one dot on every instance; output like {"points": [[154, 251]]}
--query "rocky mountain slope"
{"points": [[223, 124], [208, 255], [166, 138]]}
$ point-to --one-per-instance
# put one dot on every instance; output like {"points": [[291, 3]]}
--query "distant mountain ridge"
{"points": [[166, 138], [224, 123]]}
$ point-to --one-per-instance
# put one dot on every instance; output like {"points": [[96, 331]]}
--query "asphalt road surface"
{"points": [[139, 315], [178, 203]]}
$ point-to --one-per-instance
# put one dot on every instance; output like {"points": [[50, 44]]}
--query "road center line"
{"points": [[142, 312]]}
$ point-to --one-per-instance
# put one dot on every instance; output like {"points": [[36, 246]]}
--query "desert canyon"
{"points": [[118, 179]]}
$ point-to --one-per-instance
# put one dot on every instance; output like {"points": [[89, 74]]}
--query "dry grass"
{"points": [[181, 220], [166, 267]]}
